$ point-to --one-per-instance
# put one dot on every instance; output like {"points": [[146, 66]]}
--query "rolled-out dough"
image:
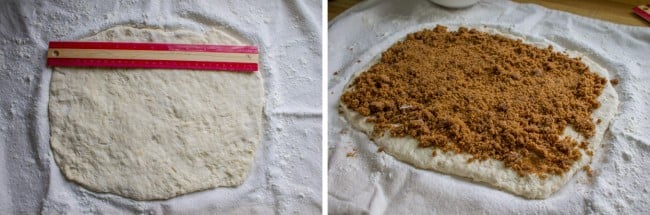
{"points": [[153, 134], [492, 171]]}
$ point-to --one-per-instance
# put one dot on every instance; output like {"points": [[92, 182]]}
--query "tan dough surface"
{"points": [[155, 134], [492, 171]]}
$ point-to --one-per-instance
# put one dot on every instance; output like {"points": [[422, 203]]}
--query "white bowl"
{"points": [[454, 3]]}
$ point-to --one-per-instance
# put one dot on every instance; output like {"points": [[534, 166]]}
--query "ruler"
{"points": [[152, 55]]}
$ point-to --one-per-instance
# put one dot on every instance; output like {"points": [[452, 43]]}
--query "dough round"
{"points": [[491, 171], [153, 134]]}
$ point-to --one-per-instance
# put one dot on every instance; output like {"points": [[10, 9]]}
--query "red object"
{"points": [[153, 46], [643, 11], [151, 64], [248, 55]]}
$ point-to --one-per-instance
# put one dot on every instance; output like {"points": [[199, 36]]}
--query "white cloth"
{"points": [[286, 177], [376, 183]]}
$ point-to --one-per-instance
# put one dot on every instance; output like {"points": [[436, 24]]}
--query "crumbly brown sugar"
{"points": [[485, 95]]}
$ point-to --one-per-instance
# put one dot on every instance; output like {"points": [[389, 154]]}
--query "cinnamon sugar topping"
{"points": [[484, 95]]}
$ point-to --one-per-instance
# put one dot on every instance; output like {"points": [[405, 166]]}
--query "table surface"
{"points": [[617, 11]]}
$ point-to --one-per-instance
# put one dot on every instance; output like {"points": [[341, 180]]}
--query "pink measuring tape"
{"points": [[152, 55]]}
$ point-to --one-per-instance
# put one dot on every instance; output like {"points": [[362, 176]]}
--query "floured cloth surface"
{"points": [[284, 179], [364, 181]]}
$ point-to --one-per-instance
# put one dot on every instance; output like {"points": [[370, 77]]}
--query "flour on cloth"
{"points": [[283, 177]]}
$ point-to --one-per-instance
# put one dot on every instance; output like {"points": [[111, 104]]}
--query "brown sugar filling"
{"points": [[484, 95]]}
